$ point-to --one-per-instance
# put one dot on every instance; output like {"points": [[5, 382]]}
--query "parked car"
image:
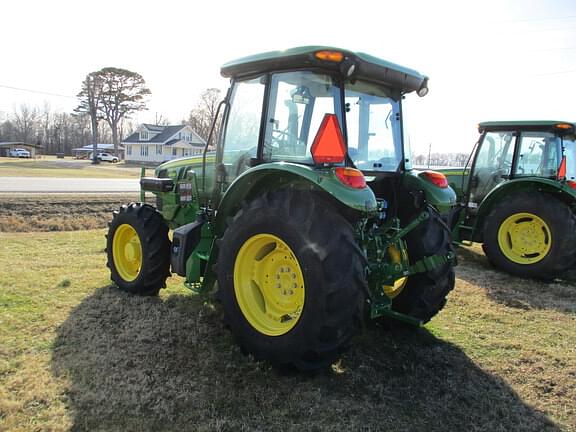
{"points": [[19, 153], [107, 157]]}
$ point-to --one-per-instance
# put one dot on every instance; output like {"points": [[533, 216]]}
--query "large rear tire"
{"points": [[424, 294], [531, 235], [138, 249], [291, 280]]}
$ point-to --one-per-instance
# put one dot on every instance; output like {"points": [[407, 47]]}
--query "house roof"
{"points": [[166, 132], [155, 128]]}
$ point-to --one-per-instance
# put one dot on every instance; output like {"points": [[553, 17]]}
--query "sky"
{"points": [[487, 60]]}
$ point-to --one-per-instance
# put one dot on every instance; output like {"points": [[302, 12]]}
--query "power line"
{"points": [[37, 91], [541, 19], [555, 73]]}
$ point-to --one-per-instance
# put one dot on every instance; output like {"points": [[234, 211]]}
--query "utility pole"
{"points": [[429, 153]]}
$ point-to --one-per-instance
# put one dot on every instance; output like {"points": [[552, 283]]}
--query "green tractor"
{"points": [[307, 217], [518, 197]]}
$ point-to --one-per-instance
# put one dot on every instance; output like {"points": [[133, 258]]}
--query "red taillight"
{"points": [[436, 178], [351, 177], [328, 145], [571, 183]]}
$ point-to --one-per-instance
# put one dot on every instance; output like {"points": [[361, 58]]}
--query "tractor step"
{"points": [[184, 241]]}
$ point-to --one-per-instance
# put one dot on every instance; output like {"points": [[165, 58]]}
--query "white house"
{"points": [[156, 144]]}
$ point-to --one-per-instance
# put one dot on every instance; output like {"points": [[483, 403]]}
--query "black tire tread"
{"points": [[341, 267], [425, 293], [562, 223], [153, 233]]}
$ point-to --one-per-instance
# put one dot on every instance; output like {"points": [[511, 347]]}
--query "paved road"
{"points": [[54, 184]]}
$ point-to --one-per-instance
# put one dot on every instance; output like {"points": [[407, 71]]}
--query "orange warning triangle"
{"points": [[562, 169], [328, 145]]}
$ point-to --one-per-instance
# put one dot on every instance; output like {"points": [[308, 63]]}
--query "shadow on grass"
{"points": [[512, 291], [151, 364]]}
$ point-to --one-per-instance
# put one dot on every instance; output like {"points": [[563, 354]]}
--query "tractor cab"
{"points": [[321, 108], [519, 150]]}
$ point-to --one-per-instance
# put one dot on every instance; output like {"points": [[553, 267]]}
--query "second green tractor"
{"points": [[518, 196]]}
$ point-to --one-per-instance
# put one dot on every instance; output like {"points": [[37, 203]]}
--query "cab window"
{"points": [[242, 127], [298, 102], [537, 155], [374, 127]]}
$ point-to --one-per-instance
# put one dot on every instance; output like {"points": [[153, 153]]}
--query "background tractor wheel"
{"points": [[424, 294], [291, 280], [531, 235], [138, 249]]}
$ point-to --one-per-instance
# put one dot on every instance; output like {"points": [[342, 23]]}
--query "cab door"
{"points": [[239, 140], [492, 165]]}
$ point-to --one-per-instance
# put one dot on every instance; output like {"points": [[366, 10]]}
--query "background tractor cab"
{"points": [[307, 215], [521, 172]]}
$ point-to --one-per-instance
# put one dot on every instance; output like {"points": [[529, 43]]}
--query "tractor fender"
{"points": [[281, 175], [560, 190], [441, 198]]}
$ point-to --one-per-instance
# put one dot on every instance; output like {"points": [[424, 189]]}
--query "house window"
{"points": [[128, 149], [144, 136], [174, 151], [159, 149], [144, 150]]}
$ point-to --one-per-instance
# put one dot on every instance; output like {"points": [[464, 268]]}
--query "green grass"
{"points": [[69, 168], [77, 354]]}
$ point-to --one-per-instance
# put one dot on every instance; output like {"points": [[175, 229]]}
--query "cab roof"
{"points": [[367, 67], [535, 125]]}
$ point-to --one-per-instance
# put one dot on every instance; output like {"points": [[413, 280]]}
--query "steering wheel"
{"points": [[286, 141]]}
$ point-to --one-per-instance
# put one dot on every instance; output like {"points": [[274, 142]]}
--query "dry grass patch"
{"points": [[62, 212], [79, 355]]}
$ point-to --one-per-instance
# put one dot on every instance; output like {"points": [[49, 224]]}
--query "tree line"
{"points": [[440, 160], [56, 132], [106, 100]]}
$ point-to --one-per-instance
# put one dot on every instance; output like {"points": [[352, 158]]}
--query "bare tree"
{"points": [[160, 120], [90, 99], [123, 92], [201, 116], [7, 131], [25, 122]]}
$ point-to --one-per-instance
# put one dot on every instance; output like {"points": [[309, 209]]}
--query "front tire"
{"points": [[138, 249], [531, 235], [291, 280]]}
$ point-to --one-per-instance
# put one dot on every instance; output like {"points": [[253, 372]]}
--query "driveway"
{"points": [[55, 184]]}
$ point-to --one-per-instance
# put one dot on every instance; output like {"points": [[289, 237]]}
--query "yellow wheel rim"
{"points": [[393, 290], [269, 285], [524, 238], [127, 252]]}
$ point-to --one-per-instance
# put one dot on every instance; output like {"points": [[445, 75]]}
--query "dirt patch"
{"points": [[515, 292], [138, 363], [64, 212]]}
